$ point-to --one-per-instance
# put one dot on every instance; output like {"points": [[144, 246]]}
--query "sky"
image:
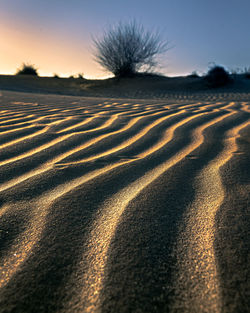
{"points": [[57, 35]]}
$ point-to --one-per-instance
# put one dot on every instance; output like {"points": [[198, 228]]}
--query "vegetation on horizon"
{"points": [[127, 49], [27, 69], [217, 76], [194, 74]]}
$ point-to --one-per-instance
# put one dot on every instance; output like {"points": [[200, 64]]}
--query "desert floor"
{"points": [[124, 205]]}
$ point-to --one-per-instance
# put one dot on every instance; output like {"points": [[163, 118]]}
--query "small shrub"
{"points": [[27, 69], [80, 76], [217, 76], [247, 72], [56, 76], [193, 75]]}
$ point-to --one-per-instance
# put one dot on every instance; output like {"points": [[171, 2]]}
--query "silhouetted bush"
{"points": [[56, 76], [193, 75], [217, 76], [127, 49], [80, 76], [247, 72], [27, 69]]}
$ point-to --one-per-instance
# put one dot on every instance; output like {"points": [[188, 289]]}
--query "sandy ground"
{"points": [[122, 205]]}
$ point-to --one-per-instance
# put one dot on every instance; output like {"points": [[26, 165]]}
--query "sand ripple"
{"points": [[121, 206]]}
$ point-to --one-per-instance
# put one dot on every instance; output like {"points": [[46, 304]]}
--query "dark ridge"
{"points": [[140, 86]]}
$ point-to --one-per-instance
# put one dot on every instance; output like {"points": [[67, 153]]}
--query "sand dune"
{"points": [[124, 205]]}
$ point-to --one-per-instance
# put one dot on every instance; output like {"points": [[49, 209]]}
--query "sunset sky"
{"points": [[56, 35]]}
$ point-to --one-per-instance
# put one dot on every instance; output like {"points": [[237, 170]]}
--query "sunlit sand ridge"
{"points": [[198, 263], [54, 148]]}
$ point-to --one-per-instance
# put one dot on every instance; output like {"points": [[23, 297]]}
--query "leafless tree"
{"points": [[126, 49]]}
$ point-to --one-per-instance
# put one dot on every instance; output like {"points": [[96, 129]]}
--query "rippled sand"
{"points": [[124, 205]]}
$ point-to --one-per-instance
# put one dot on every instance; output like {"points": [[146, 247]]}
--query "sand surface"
{"points": [[122, 205]]}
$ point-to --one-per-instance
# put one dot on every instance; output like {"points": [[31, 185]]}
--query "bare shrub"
{"points": [[126, 49]]}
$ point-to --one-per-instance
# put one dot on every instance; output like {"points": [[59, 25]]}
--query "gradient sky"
{"points": [[56, 35]]}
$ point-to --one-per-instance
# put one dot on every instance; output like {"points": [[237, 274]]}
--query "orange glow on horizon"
{"points": [[49, 53]]}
